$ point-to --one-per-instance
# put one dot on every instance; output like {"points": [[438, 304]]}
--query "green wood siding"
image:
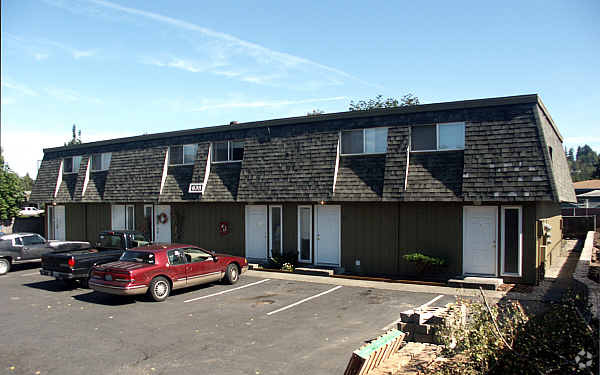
{"points": [[75, 222], [197, 224], [369, 234], [97, 220], [435, 229]]}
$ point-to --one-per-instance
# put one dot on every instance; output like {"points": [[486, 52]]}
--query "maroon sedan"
{"points": [[158, 269]]}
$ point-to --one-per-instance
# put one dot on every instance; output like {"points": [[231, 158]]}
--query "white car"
{"points": [[30, 211]]}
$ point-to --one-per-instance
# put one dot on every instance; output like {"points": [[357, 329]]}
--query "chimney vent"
{"points": [[233, 123]]}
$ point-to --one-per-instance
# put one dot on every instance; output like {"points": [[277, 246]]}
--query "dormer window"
{"points": [[71, 164], [101, 162], [438, 137], [229, 151], [364, 141], [182, 154]]}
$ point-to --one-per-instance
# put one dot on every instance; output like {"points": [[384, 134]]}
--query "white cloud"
{"points": [[254, 62], [25, 159], [38, 48], [69, 96], [23, 89], [77, 54], [264, 103], [40, 56]]}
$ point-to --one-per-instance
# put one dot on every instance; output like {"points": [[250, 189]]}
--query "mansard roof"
{"points": [[506, 158]]}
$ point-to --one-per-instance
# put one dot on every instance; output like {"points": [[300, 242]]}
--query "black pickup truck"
{"points": [[73, 266]]}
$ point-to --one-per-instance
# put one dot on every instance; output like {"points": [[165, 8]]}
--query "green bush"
{"points": [[424, 259], [288, 257], [545, 344]]}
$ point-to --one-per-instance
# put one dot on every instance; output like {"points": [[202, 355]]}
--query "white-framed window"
{"points": [[149, 222], [228, 151], [122, 216], [364, 141], [71, 164], [101, 162], [512, 240], [182, 154], [438, 137]]}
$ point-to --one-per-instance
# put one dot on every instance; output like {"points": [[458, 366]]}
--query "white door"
{"points": [[479, 240], [256, 231], [59, 223], [162, 224], [327, 234]]}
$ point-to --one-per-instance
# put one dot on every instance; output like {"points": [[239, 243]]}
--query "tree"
{"points": [[381, 102], [27, 182], [596, 173], [11, 192], [315, 112], [76, 137], [584, 165]]}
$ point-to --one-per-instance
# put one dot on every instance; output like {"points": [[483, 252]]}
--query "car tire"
{"points": [[232, 274], [159, 289], [84, 282], [4, 266]]}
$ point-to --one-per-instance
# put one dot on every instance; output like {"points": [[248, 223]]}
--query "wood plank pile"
{"points": [[369, 356]]}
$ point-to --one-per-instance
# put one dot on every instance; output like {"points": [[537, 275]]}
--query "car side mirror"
{"points": [[216, 259]]}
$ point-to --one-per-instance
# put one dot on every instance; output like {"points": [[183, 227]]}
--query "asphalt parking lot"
{"points": [[261, 325]]}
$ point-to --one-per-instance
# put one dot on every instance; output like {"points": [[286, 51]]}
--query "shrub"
{"points": [[504, 340], [424, 259]]}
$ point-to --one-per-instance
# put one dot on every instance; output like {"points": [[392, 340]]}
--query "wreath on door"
{"points": [[163, 218], [223, 228]]}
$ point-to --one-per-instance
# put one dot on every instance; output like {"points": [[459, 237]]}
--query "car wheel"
{"points": [[232, 274], [4, 266], [159, 289]]}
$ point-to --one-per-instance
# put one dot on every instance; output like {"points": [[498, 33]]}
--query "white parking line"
{"points": [[226, 291], [304, 300], [420, 307], [31, 274]]}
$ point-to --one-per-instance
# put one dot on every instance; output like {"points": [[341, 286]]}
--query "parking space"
{"points": [[260, 325]]}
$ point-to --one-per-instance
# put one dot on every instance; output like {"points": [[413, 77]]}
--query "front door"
{"points": [[479, 240], [327, 234], [256, 231], [162, 225]]}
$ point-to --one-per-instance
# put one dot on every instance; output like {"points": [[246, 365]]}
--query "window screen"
{"points": [[352, 142], [68, 165], [176, 155], [423, 138], [96, 162], [221, 151]]}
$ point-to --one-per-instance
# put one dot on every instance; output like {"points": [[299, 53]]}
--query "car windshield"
{"points": [[138, 257], [110, 241]]}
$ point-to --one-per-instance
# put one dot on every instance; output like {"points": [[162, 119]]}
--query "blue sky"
{"points": [[119, 68]]}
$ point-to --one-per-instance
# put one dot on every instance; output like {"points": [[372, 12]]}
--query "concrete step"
{"points": [[488, 283], [314, 271]]}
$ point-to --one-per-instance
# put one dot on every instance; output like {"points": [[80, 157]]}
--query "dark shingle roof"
{"points": [[505, 159]]}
